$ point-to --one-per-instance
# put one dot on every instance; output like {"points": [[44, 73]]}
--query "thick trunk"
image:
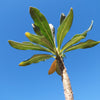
{"points": [[65, 79]]}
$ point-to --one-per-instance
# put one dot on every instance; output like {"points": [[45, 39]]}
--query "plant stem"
{"points": [[65, 79], [67, 86]]}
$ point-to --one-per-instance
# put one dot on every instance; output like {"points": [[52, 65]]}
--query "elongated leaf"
{"points": [[58, 70], [53, 67], [27, 46], [64, 28], [85, 32], [83, 45], [71, 42], [36, 29], [77, 38], [41, 40], [62, 17], [27, 43], [35, 59], [42, 23]]}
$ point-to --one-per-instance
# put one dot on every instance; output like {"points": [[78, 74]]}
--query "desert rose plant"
{"points": [[44, 40]]}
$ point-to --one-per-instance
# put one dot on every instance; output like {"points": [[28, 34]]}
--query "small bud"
{"points": [[36, 29], [62, 17], [52, 31], [21, 64], [27, 34]]}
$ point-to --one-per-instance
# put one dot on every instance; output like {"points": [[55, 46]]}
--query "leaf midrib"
{"points": [[30, 46], [37, 57], [61, 36]]}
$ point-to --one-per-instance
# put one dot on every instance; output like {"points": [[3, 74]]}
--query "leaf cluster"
{"points": [[44, 39]]}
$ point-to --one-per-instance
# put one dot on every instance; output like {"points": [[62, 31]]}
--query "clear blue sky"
{"points": [[33, 82]]}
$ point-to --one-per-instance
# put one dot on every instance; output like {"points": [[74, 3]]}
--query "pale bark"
{"points": [[67, 86], [65, 79]]}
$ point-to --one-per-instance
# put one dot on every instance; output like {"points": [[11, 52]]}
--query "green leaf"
{"points": [[85, 32], [35, 59], [64, 28], [36, 29], [83, 45], [41, 22], [58, 70], [41, 40], [26, 43], [62, 17], [76, 38], [27, 46], [38, 32]]}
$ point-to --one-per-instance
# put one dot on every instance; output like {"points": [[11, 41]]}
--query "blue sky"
{"points": [[33, 82]]}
